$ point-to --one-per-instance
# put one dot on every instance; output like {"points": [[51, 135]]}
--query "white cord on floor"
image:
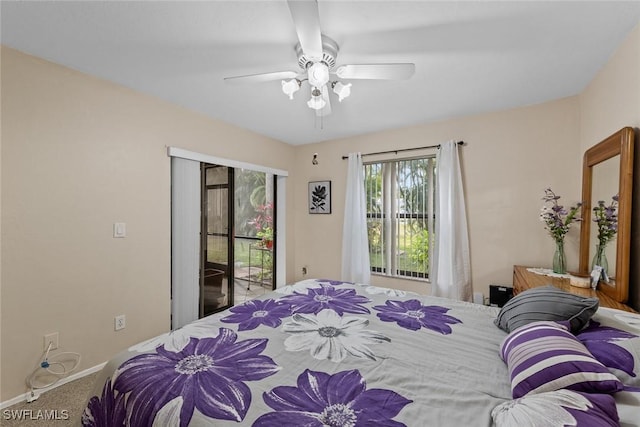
{"points": [[48, 366]]}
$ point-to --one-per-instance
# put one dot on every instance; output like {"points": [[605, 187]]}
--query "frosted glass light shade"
{"points": [[290, 87], [318, 74], [341, 90], [316, 102]]}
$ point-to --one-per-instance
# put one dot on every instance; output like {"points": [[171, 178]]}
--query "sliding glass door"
{"points": [[238, 236], [216, 278], [215, 240]]}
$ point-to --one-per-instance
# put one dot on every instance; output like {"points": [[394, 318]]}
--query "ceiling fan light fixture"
{"points": [[316, 102], [318, 74], [290, 87], [317, 64], [341, 89]]}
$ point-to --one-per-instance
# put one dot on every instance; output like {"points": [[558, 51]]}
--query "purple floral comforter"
{"points": [[317, 353]]}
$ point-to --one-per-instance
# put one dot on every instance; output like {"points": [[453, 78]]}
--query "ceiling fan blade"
{"points": [[326, 110], [262, 77], [376, 71], [307, 22]]}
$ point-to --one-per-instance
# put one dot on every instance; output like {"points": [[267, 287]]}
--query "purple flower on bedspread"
{"points": [[413, 315], [208, 375], [254, 313], [332, 337], [600, 341], [317, 299], [338, 400], [333, 282], [105, 411]]}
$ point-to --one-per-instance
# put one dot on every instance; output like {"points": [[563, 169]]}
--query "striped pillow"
{"points": [[545, 356]]}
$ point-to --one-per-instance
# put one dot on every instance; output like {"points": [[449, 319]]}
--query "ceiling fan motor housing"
{"points": [[329, 54]]}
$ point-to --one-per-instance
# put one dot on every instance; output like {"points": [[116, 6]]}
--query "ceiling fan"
{"points": [[317, 55]]}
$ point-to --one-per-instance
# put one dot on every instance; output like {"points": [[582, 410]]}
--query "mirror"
{"points": [[604, 185], [608, 170]]}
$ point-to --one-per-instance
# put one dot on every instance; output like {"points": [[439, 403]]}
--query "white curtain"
{"points": [[355, 241], [185, 241], [450, 271]]}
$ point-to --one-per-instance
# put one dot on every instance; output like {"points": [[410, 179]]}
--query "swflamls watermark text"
{"points": [[35, 415]]}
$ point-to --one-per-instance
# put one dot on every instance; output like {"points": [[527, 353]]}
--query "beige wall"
{"points": [[609, 103], [78, 154], [509, 159]]}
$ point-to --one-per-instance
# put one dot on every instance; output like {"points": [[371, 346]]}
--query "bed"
{"points": [[323, 352]]}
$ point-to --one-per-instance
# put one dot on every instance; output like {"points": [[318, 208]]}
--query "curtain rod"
{"points": [[403, 149]]}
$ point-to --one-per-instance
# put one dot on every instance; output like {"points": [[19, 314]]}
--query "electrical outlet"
{"points": [[53, 339], [120, 322]]}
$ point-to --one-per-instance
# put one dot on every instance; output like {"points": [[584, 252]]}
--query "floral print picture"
{"points": [[320, 197]]}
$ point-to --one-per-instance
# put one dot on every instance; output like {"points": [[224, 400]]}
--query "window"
{"points": [[400, 198]]}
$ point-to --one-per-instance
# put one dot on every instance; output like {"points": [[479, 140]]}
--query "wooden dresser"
{"points": [[523, 280]]}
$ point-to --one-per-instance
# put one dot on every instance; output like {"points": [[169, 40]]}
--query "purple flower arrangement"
{"points": [[606, 218], [556, 217]]}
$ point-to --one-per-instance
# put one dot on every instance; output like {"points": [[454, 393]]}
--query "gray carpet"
{"points": [[66, 401]]}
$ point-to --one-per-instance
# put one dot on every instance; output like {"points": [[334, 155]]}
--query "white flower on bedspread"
{"points": [[375, 290], [176, 340], [333, 282], [557, 409], [329, 336], [544, 410], [301, 286]]}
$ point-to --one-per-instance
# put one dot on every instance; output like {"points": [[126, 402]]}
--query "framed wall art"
{"points": [[320, 197]]}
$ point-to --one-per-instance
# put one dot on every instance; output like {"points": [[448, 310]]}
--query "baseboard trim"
{"points": [[65, 380]]}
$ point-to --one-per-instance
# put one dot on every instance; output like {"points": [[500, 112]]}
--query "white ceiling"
{"points": [[471, 57]]}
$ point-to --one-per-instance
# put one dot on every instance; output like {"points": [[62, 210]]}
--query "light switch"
{"points": [[120, 229]]}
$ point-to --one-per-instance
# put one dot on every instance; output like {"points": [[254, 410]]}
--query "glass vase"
{"points": [[600, 258], [559, 258]]}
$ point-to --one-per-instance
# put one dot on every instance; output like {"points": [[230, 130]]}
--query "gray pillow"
{"points": [[546, 303]]}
